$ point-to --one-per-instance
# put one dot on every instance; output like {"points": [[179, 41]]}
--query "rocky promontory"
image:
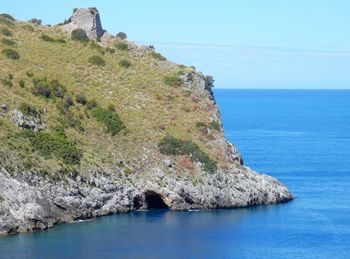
{"points": [[93, 124]]}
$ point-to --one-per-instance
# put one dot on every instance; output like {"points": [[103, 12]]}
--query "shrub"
{"points": [[11, 54], [79, 35], [121, 35], [94, 45], [8, 16], [172, 146], [124, 63], [70, 120], [48, 89], [35, 21], [28, 109], [172, 80], [97, 60], [158, 56], [53, 144], [22, 83], [81, 99], [8, 42], [6, 21], [215, 125], [50, 39], [6, 32], [42, 88], [93, 10], [6, 82], [200, 124], [91, 104], [109, 118], [57, 89], [122, 46], [110, 50]]}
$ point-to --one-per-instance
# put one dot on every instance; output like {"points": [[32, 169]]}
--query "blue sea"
{"points": [[301, 137]]}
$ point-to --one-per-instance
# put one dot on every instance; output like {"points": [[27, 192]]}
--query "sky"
{"points": [[283, 44]]}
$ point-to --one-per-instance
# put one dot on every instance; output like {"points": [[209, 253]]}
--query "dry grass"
{"points": [[139, 95]]}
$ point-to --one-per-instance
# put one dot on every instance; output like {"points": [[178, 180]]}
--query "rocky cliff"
{"points": [[91, 128]]}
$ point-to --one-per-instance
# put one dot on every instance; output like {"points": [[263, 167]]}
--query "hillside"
{"points": [[92, 124]]}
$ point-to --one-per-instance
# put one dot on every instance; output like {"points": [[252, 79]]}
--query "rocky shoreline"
{"points": [[34, 202]]}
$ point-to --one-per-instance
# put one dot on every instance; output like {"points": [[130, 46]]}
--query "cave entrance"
{"points": [[154, 200]]}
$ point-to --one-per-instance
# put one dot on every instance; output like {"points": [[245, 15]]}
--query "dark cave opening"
{"points": [[154, 200]]}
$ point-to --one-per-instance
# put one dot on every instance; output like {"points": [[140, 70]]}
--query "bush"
{"points": [[109, 118], [79, 35], [158, 56], [94, 45], [6, 82], [35, 21], [200, 124], [6, 32], [42, 88], [47, 89], [91, 104], [172, 146], [124, 63], [49, 39], [70, 120], [215, 125], [8, 42], [53, 144], [122, 46], [97, 60], [81, 99], [8, 17], [11, 54], [6, 21], [28, 109], [173, 80], [110, 50], [22, 83], [121, 35]]}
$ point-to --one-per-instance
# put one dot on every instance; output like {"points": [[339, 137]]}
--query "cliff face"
{"points": [[91, 129]]}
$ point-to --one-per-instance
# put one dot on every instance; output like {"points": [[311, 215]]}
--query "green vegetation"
{"points": [[58, 83], [53, 144], [158, 56], [6, 82], [6, 21], [121, 35], [172, 146], [28, 109], [79, 35], [6, 32], [122, 46], [97, 60], [44, 88], [2, 199], [35, 21], [215, 125], [10, 53], [124, 63], [50, 39], [81, 99], [109, 118], [8, 42], [200, 124], [21, 83], [7, 16], [173, 81]]}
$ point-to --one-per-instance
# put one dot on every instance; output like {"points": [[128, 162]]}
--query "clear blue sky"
{"points": [[243, 43]]}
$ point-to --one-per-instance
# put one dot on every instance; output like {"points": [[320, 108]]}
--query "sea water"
{"points": [[301, 137]]}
